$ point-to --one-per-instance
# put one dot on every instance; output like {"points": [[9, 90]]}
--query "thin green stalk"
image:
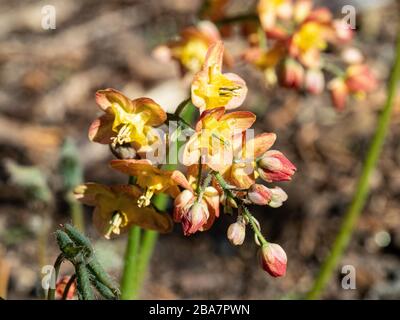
{"points": [[146, 251], [361, 193], [129, 277]]}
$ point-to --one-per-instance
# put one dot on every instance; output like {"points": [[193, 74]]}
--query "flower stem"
{"points": [[68, 287], [361, 193], [129, 277]]}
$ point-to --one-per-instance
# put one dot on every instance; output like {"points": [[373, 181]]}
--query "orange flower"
{"points": [[212, 89], [194, 214], [242, 172], [125, 120], [213, 140], [152, 179], [116, 209]]}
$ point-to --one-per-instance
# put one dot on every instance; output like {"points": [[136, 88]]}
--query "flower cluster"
{"points": [[299, 38], [293, 43], [221, 162]]}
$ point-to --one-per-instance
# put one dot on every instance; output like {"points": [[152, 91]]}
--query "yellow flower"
{"points": [[151, 179], [308, 42], [212, 89], [213, 140], [126, 121], [192, 48], [242, 172], [116, 209]]}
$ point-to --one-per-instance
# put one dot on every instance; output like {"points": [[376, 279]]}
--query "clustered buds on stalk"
{"points": [[222, 164]]}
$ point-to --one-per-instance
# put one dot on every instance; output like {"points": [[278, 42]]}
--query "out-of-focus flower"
{"points": [[236, 233], [191, 49], [116, 209], [339, 92], [212, 89], [291, 74], [196, 215], [274, 166], [151, 179], [273, 259], [343, 32], [357, 81], [314, 81], [125, 120], [61, 285], [301, 10], [352, 55], [307, 43], [212, 141], [259, 194], [271, 10]]}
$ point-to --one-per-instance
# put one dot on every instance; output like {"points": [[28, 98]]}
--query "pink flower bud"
{"points": [[259, 194], [315, 81], [195, 218], [183, 202], [236, 233], [339, 92], [278, 197], [292, 74], [274, 166], [273, 259]]}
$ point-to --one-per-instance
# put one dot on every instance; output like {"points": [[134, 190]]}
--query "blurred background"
{"points": [[47, 83]]}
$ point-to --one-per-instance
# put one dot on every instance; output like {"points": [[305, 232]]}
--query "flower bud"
{"points": [[195, 218], [315, 81], [339, 92], [278, 197], [352, 55], [274, 166], [292, 74], [273, 259], [182, 204], [236, 233], [259, 194]]}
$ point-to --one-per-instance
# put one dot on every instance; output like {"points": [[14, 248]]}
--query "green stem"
{"points": [[53, 279], [129, 277], [254, 226], [361, 193], [146, 251], [76, 212]]}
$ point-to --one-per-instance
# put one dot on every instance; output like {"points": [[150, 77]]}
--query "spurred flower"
{"points": [[212, 89], [116, 209], [151, 179], [126, 121], [274, 166], [213, 140], [242, 173], [196, 215], [273, 259]]}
